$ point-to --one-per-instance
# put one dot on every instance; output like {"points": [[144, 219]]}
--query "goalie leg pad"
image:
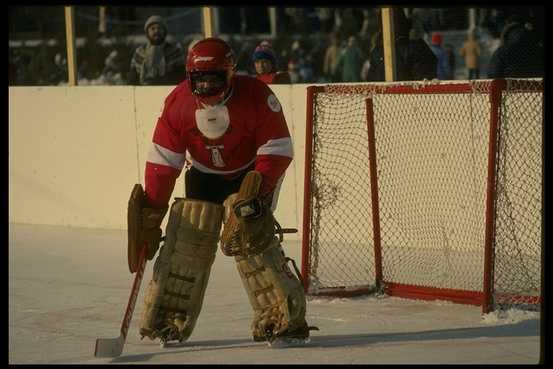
{"points": [[275, 294], [181, 271]]}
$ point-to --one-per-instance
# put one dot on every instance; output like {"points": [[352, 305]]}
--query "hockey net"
{"points": [[425, 190]]}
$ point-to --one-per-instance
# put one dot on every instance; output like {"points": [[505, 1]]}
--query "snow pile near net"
{"points": [[509, 316]]}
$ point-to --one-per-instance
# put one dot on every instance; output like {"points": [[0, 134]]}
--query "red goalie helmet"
{"points": [[210, 66]]}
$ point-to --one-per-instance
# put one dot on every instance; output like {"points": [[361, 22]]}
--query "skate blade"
{"points": [[169, 344], [288, 342]]}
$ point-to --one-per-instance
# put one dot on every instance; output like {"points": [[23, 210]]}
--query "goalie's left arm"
{"points": [[273, 141]]}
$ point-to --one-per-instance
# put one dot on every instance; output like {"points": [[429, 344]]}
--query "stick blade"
{"points": [[109, 347]]}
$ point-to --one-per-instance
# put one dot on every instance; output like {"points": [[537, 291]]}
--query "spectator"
{"points": [[293, 71], [520, 55], [17, 68], [158, 62], [297, 20], [414, 59], [59, 73], [369, 25], [316, 56], [420, 21], [495, 22], [351, 22], [264, 60], [326, 18], [245, 50], [365, 69], [305, 69], [331, 58], [450, 60], [442, 67], [350, 62], [83, 71], [38, 69], [112, 69], [297, 63], [471, 52], [297, 51]]}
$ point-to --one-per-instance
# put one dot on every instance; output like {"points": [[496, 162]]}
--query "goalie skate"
{"points": [[298, 338], [170, 343], [284, 342]]}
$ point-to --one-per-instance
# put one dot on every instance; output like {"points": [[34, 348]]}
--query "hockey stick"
{"points": [[113, 347]]}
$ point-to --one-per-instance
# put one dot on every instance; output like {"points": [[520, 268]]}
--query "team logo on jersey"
{"points": [[273, 103], [216, 157]]}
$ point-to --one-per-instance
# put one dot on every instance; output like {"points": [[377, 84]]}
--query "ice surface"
{"points": [[69, 286]]}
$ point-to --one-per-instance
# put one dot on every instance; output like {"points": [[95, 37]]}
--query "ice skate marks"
{"points": [[279, 343]]}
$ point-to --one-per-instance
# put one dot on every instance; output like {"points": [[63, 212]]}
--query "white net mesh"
{"points": [[432, 169], [431, 157], [519, 195], [343, 258]]}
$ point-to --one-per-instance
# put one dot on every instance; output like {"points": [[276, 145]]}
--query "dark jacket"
{"points": [[414, 59], [171, 73], [519, 56]]}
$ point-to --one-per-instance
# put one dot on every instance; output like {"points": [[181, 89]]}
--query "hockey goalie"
{"points": [[230, 132]]}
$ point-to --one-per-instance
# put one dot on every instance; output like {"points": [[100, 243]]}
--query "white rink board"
{"points": [[76, 152]]}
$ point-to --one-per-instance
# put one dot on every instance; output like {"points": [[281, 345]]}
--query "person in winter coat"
{"points": [[414, 59], [331, 58], [158, 62], [520, 54], [264, 60], [471, 52], [442, 66], [350, 62], [452, 62]]}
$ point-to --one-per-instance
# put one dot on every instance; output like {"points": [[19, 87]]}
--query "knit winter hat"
{"points": [[155, 19], [436, 39], [264, 51]]}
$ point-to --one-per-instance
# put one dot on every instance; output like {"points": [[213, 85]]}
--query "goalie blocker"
{"points": [[275, 293], [143, 226]]}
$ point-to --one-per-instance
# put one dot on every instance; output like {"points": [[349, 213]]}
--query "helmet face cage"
{"points": [[208, 83]]}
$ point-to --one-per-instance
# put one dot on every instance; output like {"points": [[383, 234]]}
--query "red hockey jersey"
{"points": [[257, 134], [274, 78]]}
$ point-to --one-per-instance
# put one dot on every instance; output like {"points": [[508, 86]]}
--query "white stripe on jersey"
{"points": [[279, 146], [202, 168], [276, 192], [160, 155]]}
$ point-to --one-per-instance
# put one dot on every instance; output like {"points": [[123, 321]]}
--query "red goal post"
{"points": [[425, 190]]}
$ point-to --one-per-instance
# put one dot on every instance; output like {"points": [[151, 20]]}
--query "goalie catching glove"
{"points": [[143, 227], [249, 222]]}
